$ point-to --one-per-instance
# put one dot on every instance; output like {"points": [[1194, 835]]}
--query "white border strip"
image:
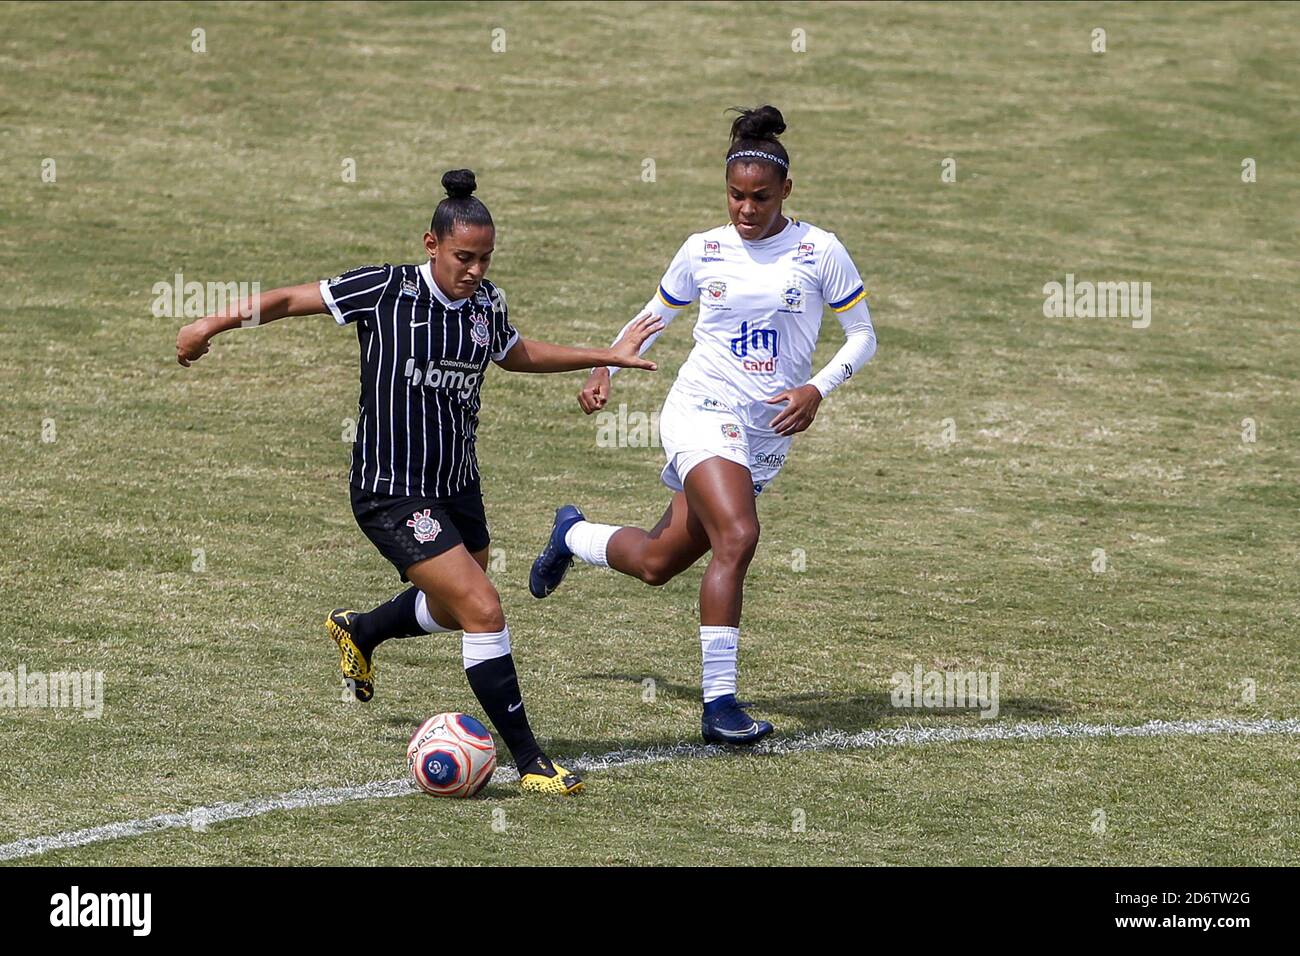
{"points": [[202, 817]]}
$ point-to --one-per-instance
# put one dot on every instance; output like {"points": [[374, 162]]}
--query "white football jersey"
{"points": [[761, 309]]}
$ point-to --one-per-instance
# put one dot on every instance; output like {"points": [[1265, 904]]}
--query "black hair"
{"points": [[755, 132], [460, 206]]}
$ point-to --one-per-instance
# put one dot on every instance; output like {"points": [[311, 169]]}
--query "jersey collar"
{"points": [[426, 273]]}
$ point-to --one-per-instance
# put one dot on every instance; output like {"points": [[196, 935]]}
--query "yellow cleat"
{"points": [[358, 672], [559, 780]]}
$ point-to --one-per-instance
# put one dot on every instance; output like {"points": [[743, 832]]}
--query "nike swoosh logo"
{"points": [[515, 707], [738, 733], [416, 325]]}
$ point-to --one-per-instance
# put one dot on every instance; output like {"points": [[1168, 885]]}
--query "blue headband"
{"points": [[758, 154]]}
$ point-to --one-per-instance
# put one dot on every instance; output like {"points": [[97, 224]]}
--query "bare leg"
{"points": [[666, 550], [720, 494], [438, 610], [457, 590]]}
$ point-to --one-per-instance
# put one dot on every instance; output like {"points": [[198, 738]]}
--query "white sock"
{"points": [[484, 646], [719, 646], [424, 618], [588, 540]]}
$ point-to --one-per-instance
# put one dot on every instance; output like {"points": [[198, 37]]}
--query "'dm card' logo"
{"points": [[425, 527], [756, 340]]}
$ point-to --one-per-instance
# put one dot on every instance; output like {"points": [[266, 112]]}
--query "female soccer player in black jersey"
{"points": [[426, 335]]}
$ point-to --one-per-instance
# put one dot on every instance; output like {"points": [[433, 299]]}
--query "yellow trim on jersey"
{"points": [[667, 303], [855, 300]]}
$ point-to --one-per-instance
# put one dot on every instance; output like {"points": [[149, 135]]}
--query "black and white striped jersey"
{"points": [[423, 357]]}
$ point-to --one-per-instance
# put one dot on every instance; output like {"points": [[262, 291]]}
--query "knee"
{"points": [[737, 544], [657, 572], [481, 612]]}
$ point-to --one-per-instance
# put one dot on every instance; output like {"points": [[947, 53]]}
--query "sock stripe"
{"points": [[484, 646]]}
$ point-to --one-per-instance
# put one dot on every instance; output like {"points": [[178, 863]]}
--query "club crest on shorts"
{"points": [[731, 431], [478, 330], [425, 527]]}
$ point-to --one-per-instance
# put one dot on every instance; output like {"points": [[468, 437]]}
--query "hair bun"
{"points": [[459, 183], [763, 122]]}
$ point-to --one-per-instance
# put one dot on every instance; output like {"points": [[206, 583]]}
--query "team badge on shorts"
{"points": [[731, 431], [479, 331], [425, 528]]}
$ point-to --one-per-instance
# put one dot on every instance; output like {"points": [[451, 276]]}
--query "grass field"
{"points": [[946, 507]]}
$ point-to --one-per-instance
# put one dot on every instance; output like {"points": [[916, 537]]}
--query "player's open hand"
{"points": [[595, 393], [800, 410], [627, 350], [191, 343]]}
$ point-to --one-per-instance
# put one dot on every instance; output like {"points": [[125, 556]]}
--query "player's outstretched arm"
{"points": [[595, 391], [192, 342], [529, 355]]}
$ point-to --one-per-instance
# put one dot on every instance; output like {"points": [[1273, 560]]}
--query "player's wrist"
{"points": [[209, 325]]}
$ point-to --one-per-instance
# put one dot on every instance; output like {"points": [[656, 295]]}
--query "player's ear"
{"points": [[431, 245], [785, 190]]}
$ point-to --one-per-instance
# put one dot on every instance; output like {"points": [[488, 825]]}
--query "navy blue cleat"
{"points": [[724, 722], [555, 560]]}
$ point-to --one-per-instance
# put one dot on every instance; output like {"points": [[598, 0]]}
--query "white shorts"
{"points": [[693, 430]]}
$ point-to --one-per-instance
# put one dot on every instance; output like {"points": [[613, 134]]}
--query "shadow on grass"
{"points": [[857, 712], [813, 710]]}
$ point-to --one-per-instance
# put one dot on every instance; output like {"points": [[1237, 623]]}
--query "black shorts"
{"points": [[407, 530]]}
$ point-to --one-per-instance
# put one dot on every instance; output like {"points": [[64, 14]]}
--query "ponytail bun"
{"points": [[460, 183], [763, 123]]}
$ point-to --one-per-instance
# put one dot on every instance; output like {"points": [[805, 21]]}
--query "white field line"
{"points": [[202, 817]]}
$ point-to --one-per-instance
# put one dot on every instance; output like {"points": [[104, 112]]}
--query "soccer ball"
{"points": [[451, 755]]}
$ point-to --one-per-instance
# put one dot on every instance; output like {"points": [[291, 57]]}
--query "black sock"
{"points": [[394, 618], [496, 685]]}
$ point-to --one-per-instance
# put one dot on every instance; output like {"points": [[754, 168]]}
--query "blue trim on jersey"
{"points": [[848, 299], [675, 303]]}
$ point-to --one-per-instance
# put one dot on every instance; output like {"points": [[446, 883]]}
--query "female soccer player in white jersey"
{"points": [[426, 334], [744, 392]]}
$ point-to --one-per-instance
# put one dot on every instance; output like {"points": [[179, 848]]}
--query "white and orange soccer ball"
{"points": [[451, 755]]}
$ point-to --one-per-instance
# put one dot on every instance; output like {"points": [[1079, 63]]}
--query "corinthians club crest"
{"points": [[479, 330], [425, 528]]}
